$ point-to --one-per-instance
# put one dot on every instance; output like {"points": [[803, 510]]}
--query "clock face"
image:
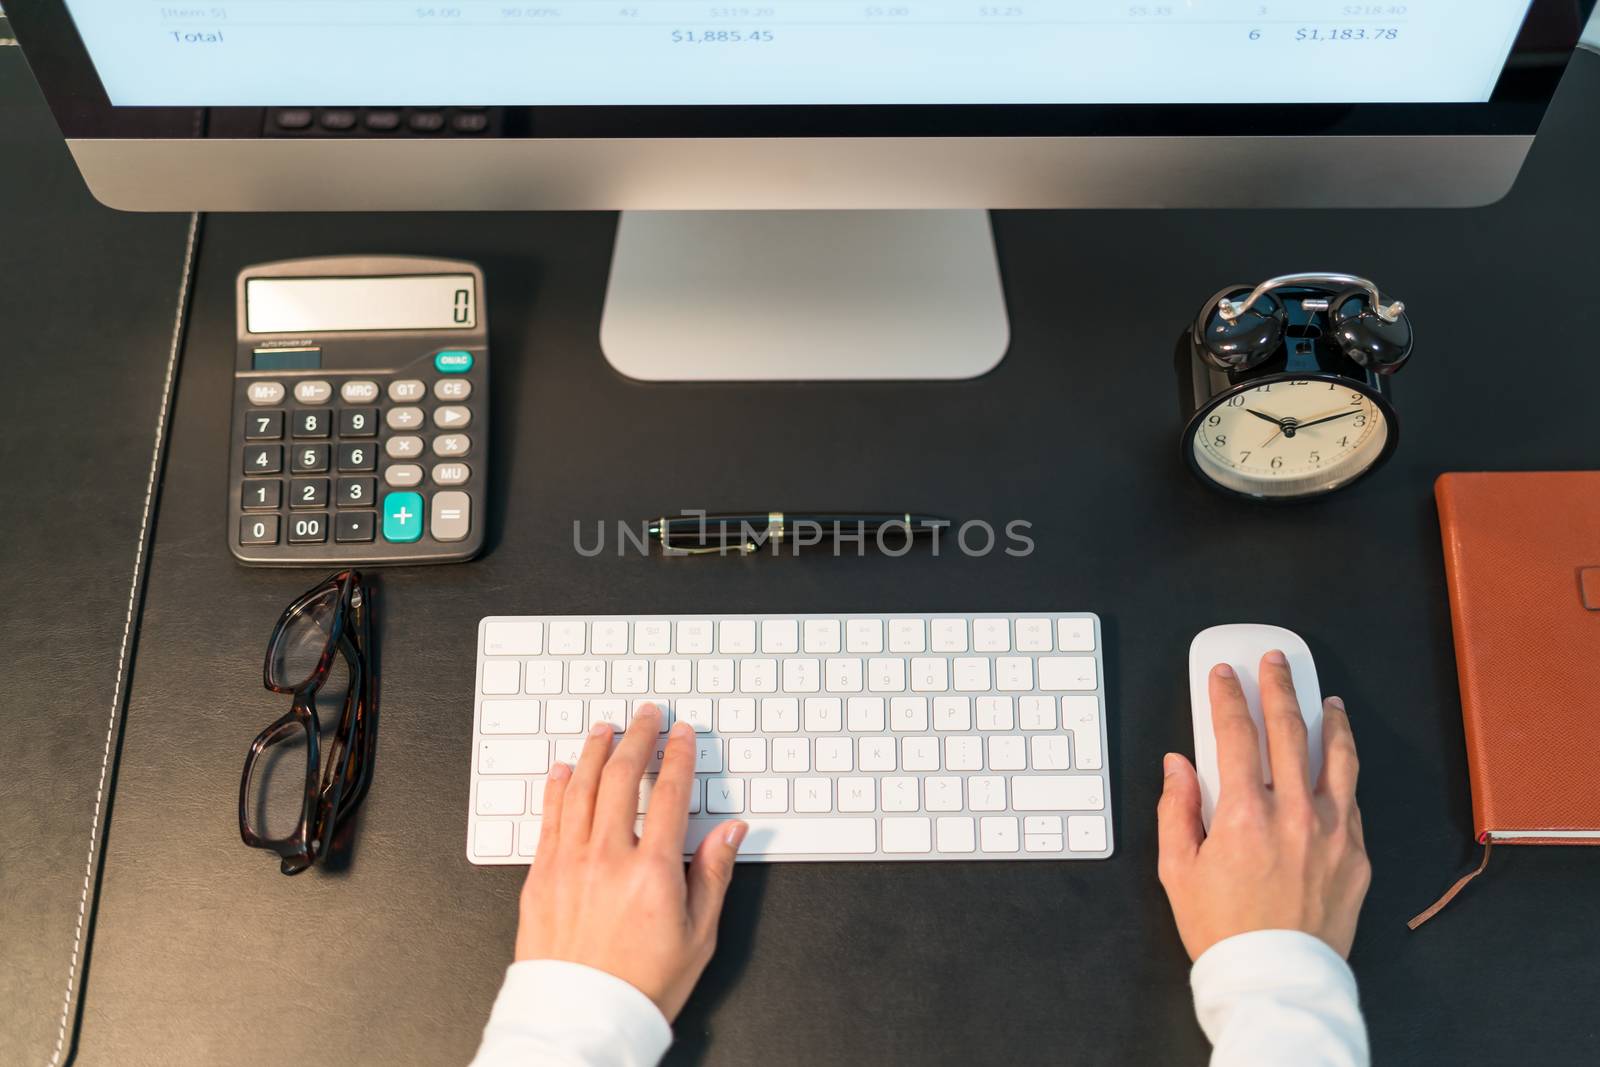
{"points": [[1290, 438]]}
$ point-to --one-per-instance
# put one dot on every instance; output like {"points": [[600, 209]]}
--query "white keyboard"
{"points": [[836, 737]]}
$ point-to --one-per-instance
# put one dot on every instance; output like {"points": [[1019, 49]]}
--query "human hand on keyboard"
{"points": [[1288, 857], [600, 895]]}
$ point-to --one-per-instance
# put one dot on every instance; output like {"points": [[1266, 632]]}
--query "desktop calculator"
{"points": [[360, 412]]}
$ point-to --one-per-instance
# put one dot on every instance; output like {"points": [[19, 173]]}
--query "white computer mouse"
{"points": [[1241, 646]]}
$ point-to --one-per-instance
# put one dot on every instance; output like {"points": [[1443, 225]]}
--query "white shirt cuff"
{"points": [[555, 1012], [1278, 997]]}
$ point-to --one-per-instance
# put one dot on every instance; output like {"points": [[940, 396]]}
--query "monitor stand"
{"points": [[804, 295]]}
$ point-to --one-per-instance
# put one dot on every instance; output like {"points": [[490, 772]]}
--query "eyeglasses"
{"points": [[301, 783]]}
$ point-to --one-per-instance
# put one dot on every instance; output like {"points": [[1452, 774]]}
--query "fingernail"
{"points": [[736, 834], [680, 728], [647, 709], [1169, 764], [1337, 702], [560, 770], [1222, 670], [1276, 658], [599, 728]]}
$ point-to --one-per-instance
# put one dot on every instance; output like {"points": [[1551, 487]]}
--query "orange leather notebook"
{"points": [[1522, 556]]}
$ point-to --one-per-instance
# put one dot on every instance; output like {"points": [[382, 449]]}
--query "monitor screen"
{"points": [[258, 53]]}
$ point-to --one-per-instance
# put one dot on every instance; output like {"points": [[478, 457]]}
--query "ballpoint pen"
{"points": [[694, 532]]}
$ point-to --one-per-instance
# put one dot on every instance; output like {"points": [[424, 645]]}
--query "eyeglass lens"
{"points": [[303, 639]]}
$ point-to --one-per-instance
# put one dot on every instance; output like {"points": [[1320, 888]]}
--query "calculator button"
{"points": [[312, 423], [309, 459], [355, 526], [361, 456], [452, 417], [312, 392], [360, 391], [402, 517], [404, 418], [263, 459], [452, 516], [448, 389], [308, 529], [260, 493], [263, 426], [403, 447], [404, 392], [356, 492], [453, 361], [264, 394], [451, 473], [451, 444], [258, 530], [308, 493], [403, 475], [358, 422]]}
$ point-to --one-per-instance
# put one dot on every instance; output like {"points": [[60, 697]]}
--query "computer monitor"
{"points": [[712, 122]]}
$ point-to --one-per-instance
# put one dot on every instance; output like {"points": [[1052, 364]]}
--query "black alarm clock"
{"points": [[1291, 385]]}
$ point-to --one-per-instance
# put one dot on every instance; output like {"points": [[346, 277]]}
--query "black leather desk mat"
{"points": [[205, 954], [87, 305]]}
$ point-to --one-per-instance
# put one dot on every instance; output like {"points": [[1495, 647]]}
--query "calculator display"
{"points": [[324, 305]]}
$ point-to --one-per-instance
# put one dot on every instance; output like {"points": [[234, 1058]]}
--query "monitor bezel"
{"points": [[82, 108]]}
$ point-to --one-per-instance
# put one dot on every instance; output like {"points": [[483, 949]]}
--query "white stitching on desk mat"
{"points": [[127, 627]]}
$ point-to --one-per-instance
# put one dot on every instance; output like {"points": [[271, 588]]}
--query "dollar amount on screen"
{"points": [[1347, 33], [721, 36]]}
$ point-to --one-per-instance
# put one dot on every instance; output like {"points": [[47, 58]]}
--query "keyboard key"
{"points": [[564, 717], [630, 676], [1034, 635], [308, 493], [919, 753], [930, 674], [708, 755], [518, 756], [309, 459], [835, 754], [952, 713], [769, 795], [791, 755], [1075, 635], [823, 715], [492, 837], [736, 637], [986, 793], [513, 638], [263, 459], [502, 796], [611, 711], [865, 715], [452, 389], [264, 394], [261, 494], [886, 675], [652, 638], [263, 426], [1008, 753], [1036, 713], [999, 833], [404, 446], [780, 637], [956, 835], [308, 529], [795, 837], [1013, 674], [1042, 842], [865, 636], [813, 795], [1081, 715], [972, 674], [258, 530], [908, 714], [406, 391], [674, 676], [714, 675], [501, 677], [758, 676], [858, 794], [747, 755], [402, 475], [566, 638], [694, 638], [312, 423], [402, 517], [907, 835], [876, 754], [696, 711], [963, 753], [356, 492], [609, 638], [842, 675], [543, 677], [361, 456], [1057, 792], [452, 417], [822, 637], [358, 391], [994, 713], [736, 715], [312, 392], [907, 635], [355, 527], [527, 837], [949, 635], [900, 793], [1086, 833], [1067, 672], [780, 715], [942, 793], [455, 474], [509, 716], [802, 675], [1049, 752], [991, 635], [724, 796]]}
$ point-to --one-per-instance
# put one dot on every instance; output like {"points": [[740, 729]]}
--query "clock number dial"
{"points": [[1287, 438]]}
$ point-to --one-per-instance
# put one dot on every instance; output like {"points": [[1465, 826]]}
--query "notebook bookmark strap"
{"points": [[1450, 894]]}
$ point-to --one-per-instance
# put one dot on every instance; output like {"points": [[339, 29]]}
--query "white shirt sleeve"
{"points": [[1277, 997], [555, 1014]]}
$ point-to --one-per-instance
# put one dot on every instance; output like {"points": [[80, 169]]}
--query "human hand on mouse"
{"points": [[1289, 856], [599, 895]]}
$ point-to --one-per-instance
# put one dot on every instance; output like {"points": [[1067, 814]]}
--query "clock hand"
{"points": [[1262, 415], [1328, 418]]}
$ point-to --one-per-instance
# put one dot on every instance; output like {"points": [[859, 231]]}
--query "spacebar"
{"points": [[793, 837]]}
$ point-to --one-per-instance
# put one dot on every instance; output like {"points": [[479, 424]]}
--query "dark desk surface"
{"points": [[203, 953]]}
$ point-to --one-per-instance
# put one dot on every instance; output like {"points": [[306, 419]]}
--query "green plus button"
{"points": [[453, 361], [402, 517]]}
